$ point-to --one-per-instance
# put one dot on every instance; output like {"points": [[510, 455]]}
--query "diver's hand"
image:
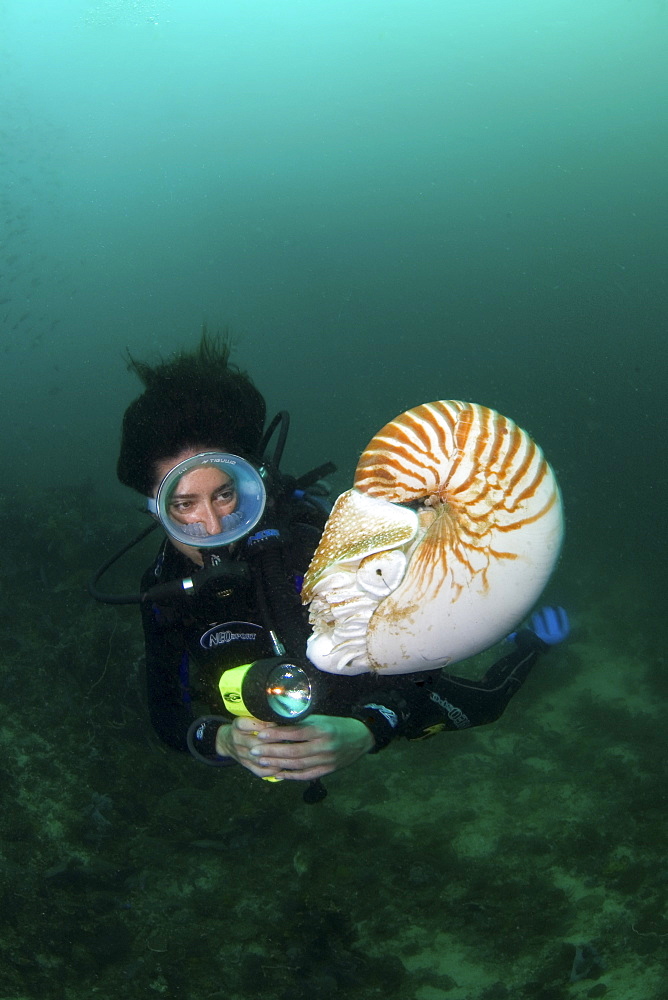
{"points": [[310, 749], [239, 739], [551, 625]]}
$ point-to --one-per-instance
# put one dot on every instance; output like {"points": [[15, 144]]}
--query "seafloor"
{"points": [[525, 860]]}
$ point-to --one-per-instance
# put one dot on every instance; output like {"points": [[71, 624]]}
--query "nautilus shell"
{"points": [[444, 544]]}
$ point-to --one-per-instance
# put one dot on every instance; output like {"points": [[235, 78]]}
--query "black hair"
{"points": [[195, 399]]}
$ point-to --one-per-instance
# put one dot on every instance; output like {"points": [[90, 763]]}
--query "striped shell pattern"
{"points": [[444, 544]]}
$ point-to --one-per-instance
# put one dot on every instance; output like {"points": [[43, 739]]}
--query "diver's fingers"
{"points": [[244, 725]]}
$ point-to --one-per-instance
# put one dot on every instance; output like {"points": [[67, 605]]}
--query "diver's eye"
{"points": [[181, 506], [226, 495]]}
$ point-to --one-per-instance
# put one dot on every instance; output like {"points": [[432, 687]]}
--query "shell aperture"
{"points": [[400, 589]]}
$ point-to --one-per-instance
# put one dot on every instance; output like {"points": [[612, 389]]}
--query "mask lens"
{"points": [[211, 499]]}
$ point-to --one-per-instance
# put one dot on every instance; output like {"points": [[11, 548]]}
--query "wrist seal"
{"points": [[381, 721], [201, 740]]}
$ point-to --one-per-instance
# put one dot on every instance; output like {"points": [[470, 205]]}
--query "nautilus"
{"points": [[442, 546]]}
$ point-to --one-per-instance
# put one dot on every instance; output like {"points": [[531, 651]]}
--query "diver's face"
{"points": [[202, 495]]}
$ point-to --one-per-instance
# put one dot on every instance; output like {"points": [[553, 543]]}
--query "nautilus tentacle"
{"points": [[444, 544]]}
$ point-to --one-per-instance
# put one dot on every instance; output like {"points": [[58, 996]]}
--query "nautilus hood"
{"points": [[444, 543]]}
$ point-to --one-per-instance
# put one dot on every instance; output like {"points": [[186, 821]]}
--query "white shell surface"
{"points": [[398, 589]]}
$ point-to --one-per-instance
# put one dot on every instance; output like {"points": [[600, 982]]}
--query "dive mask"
{"points": [[210, 499]]}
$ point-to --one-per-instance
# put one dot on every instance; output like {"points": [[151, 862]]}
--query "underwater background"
{"points": [[385, 203]]}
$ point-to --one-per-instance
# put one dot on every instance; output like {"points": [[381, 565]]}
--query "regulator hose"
{"points": [[278, 601]]}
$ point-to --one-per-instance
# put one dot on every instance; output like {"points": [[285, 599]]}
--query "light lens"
{"points": [[288, 691]]}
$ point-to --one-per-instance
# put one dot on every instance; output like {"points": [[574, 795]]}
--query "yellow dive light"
{"points": [[275, 689], [272, 690]]}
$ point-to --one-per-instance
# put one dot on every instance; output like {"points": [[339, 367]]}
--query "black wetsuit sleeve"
{"points": [[418, 706], [166, 679]]}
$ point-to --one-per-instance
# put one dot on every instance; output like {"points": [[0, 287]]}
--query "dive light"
{"points": [[275, 689]]}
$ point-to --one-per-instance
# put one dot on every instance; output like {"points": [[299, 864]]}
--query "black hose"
{"points": [[282, 417], [190, 586], [309, 478], [98, 595], [278, 602]]}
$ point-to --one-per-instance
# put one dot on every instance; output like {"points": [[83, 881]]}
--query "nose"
{"points": [[210, 520]]}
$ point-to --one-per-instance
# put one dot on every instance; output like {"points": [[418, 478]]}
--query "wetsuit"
{"points": [[191, 640]]}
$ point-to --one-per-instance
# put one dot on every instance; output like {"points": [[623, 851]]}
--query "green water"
{"points": [[387, 203]]}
